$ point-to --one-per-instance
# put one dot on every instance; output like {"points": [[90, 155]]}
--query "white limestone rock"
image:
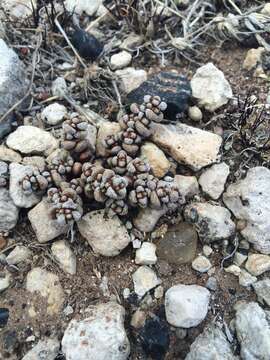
{"points": [[31, 140], [212, 222], [64, 256], [9, 212], [213, 180], [106, 236], [120, 60], [147, 219], [13, 81], [18, 254], [131, 78], [45, 228], [257, 264], [100, 336], [190, 146], [186, 306], [212, 344], [201, 264], [46, 349], [187, 185], [209, 77], [253, 331], [249, 200], [79, 7], [19, 9], [54, 114], [19, 197], [146, 255], [144, 279]]}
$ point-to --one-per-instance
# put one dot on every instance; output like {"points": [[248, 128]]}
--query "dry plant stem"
{"points": [[68, 41], [96, 22], [34, 63]]}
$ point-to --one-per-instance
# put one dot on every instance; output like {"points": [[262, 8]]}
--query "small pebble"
{"points": [[138, 319], [4, 315], [211, 283], [159, 292], [136, 244], [239, 258], [181, 333], [201, 264], [233, 269], [126, 293], [195, 113], [207, 250]]}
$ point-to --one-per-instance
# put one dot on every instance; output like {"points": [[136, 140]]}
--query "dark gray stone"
{"points": [[173, 88]]}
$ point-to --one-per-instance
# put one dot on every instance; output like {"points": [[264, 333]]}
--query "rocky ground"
{"points": [[134, 231]]}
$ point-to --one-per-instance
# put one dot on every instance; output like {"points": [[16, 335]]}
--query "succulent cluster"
{"points": [[120, 181]]}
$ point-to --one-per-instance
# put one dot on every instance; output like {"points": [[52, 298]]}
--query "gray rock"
{"points": [[45, 349], [36, 161], [47, 285], [45, 228], [191, 146], [246, 279], [53, 114], [19, 197], [212, 222], [144, 279], [218, 89], [178, 246], [107, 236], [186, 305], [101, 336], [147, 219], [213, 180], [13, 83], [253, 331], [201, 264], [262, 289], [64, 256], [211, 345], [18, 254], [9, 212], [212, 283], [32, 140], [249, 200]]}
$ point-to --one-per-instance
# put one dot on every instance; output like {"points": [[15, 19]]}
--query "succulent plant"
{"points": [[36, 182], [75, 138], [66, 205], [119, 182]]}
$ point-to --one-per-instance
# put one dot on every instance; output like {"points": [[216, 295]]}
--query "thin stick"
{"points": [[68, 41], [34, 63]]}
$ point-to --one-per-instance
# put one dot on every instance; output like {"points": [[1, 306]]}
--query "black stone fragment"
{"points": [[5, 128], [87, 45], [4, 315], [155, 338], [173, 88]]}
